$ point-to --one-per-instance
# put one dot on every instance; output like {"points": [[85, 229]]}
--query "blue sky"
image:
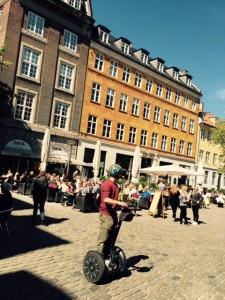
{"points": [[189, 35]]}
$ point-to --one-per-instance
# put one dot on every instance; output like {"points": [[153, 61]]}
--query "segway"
{"points": [[95, 266]]}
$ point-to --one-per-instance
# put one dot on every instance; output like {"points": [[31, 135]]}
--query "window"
{"points": [[61, 115], [113, 68], [206, 177], [132, 135], [120, 132], [188, 81], [125, 48], [146, 112], [75, 3], [144, 58], [209, 135], [175, 75], [106, 128], [24, 106], [213, 177], [65, 76], [185, 101], [126, 74], [138, 80], [166, 120], [183, 123], [104, 36], [92, 124], [177, 98], [99, 62], [202, 134], [193, 105], [220, 160], [35, 23], [175, 120], [160, 66], [154, 140], [192, 126], [110, 97], [201, 155], [30, 63], [181, 148], [215, 156], [189, 149], [164, 143], [123, 102], [149, 83], [173, 145], [159, 89], [157, 114], [135, 107], [70, 40], [207, 157], [144, 135], [168, 93], [95, 94]]}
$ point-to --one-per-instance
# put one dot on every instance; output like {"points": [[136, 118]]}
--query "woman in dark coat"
{"points": [[40, 186], [174, 200]]}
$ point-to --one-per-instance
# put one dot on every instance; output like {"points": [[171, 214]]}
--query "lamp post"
{"points": [[70, 143]]}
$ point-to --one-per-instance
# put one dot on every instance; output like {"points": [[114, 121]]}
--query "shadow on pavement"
{"points": [[21, 205], [25, 237], [24, 285]]}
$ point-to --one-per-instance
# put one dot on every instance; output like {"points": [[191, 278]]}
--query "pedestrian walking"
{"points": [[196, 202], [40, 186], [174, 200], [183, 205]]}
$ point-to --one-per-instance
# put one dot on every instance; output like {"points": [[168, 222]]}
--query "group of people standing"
{"points": [[182, 198]]}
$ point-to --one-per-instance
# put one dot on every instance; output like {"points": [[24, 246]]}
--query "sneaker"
{"points": [[194, 223]]}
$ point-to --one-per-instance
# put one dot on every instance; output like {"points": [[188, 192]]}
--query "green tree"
{"points": [[218, 138], [6, 93]]}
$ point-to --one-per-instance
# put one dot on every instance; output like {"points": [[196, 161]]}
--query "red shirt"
{"points": [[109, 189]]}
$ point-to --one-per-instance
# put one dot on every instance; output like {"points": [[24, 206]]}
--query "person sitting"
{"points": [[16, 180], [145, 193], [133, 194], [67, 195]]}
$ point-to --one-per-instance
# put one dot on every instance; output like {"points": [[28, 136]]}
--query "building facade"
{"points": [[48, 45], [132, 99], [210, 156]]}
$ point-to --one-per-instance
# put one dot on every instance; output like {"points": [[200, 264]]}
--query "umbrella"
{"points": [[45, 149], [168, 170], [200, 173], [97, 159], [136, 165]]}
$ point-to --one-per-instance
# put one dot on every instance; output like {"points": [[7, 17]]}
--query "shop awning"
{"points": [[64, 160], [20, 153]]}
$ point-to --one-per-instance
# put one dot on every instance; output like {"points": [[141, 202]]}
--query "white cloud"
{"points": [[220, 94]]}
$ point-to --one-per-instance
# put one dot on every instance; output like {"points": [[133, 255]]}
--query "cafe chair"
{"points": [[4, 216]]}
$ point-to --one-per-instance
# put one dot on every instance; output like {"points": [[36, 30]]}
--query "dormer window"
{"points": [[75, 3], [175, 75], [160, 66], [125, 48], [144, 58], [104, 36], [188, 82]]}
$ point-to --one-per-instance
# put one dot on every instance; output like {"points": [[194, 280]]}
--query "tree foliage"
{"points": [[218, 137]]}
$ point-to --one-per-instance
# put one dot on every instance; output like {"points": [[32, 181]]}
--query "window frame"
{"points": [[93, 123], [146, 111], [144, 137], [135, 107], [72, 78], [126, 74], [138, 80], [106, 129], [120, 132], [164, 143], [159, 89], [113, 69], [132, 135], [154, 142], [67, 117], [37, 17], [110, 98], [99, 62], [71, 34], [123, 102], [95, 92]]}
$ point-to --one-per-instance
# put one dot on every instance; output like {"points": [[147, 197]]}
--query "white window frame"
{"points": [[144, 137], [36, 20], [70, 40], [75, 3], [193, 105], [164, 143], [120, 132], [104, 36], [186, 100], [175, 120], [146, 111], [154, 142], [92, 124], [206, 177], [157, 113], [132, 135], [201, 155], [215, 157], [149, 84], [192, 126], [160, 66], [123, 102], [159, 89], [96, 92], [125, 48], [69, 75], [138, 80], [113, 70], [203, 134], [189, 149], [63, 118], [207, 157], [168, 93], [135, 106], [144, 58], [181, 147], [175, 75], [184, 124], [106, 130], [173, 145], [110, 97], [166, 119], [177, 98], [23, 106], [126, 74], [99, 62]]}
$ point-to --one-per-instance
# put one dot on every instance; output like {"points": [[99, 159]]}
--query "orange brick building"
{"points": [[131, 99]]}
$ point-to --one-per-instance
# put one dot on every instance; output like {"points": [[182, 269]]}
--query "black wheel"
{"points": [[121, 260], [94, 266]]}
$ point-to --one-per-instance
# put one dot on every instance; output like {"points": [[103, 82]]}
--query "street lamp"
{"points": [[70, 143]]}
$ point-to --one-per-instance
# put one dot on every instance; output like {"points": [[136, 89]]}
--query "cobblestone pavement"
{"points": [[165, 260]]}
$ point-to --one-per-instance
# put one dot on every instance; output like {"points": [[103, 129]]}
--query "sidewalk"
{"points": [[165, 260]]}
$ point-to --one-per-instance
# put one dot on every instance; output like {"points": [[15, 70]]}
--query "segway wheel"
{"points": [[94, 266], [121, 258]]}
